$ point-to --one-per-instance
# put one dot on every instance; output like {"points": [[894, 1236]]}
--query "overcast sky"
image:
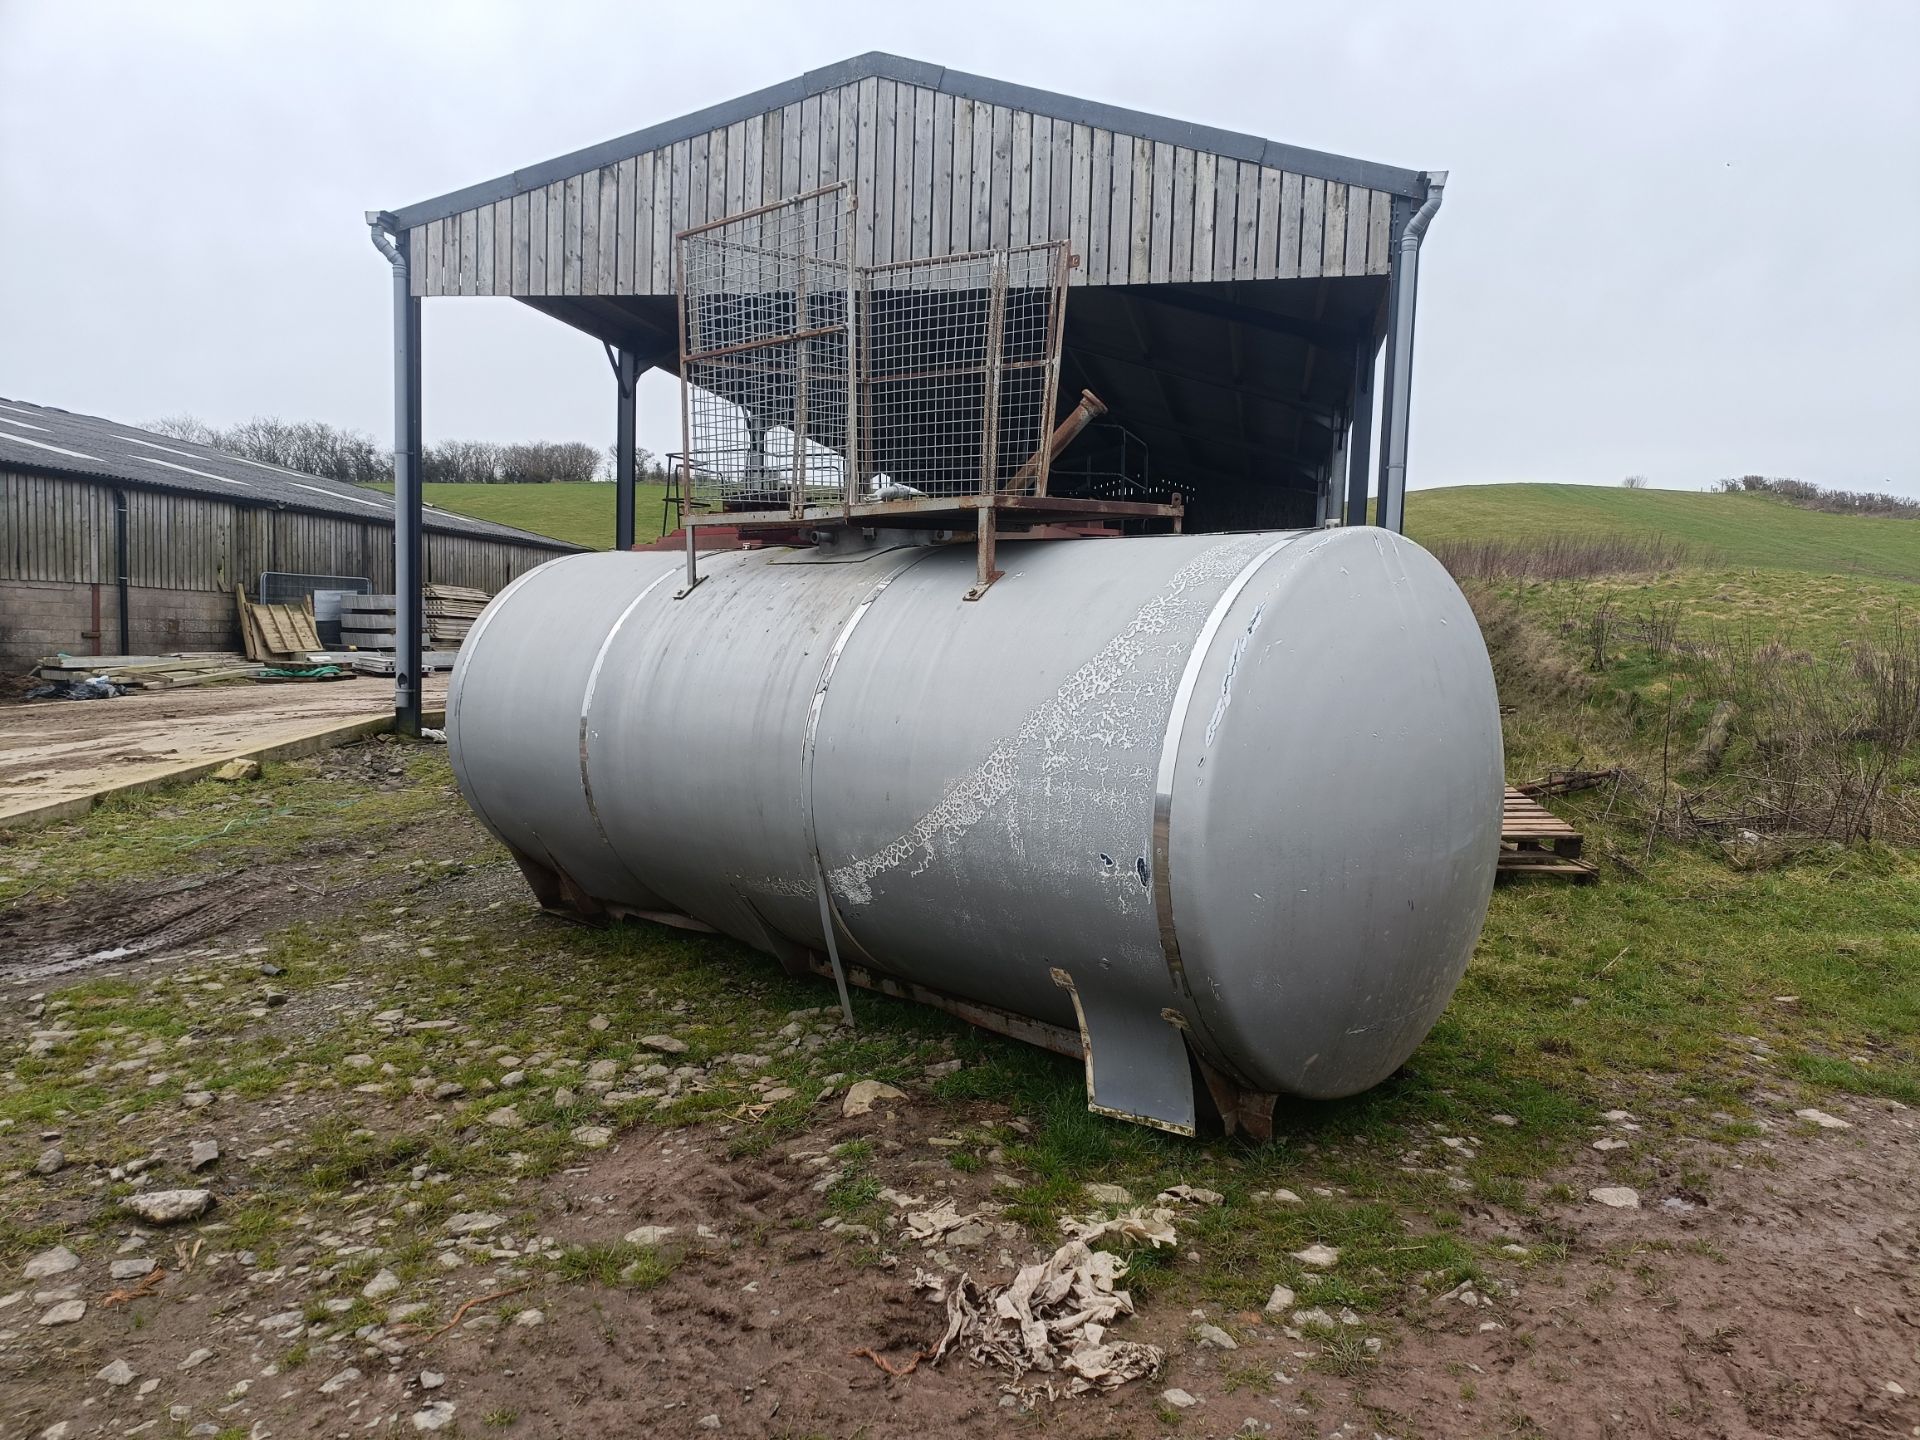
{"points": [[1678, 239]]}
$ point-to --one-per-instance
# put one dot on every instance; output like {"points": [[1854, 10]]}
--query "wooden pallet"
{"points": [[1535, 841]]}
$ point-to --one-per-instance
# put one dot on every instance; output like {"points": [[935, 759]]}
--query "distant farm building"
{"points": [[118, 540]]}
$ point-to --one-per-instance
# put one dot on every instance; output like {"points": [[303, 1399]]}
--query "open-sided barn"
{"points": [[117, 540]]}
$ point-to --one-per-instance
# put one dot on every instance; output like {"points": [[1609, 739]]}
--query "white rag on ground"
{"points": [[1051, 1318]]}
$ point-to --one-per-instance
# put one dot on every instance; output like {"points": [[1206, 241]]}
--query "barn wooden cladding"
{"points": [[936, 173]]}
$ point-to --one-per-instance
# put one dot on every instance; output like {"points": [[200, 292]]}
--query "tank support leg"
{"points": [[1241, 1110], [1136, 1061], [984, 572]]}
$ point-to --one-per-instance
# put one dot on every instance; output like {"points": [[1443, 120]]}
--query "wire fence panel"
{"points": [[766, 305], [959, 364], [810, 383]]}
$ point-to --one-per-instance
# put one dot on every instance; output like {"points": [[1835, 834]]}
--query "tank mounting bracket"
{"points": [[1136, 1061]]}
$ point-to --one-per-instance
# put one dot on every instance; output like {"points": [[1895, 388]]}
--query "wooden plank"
{"points": [[502, 247], [1206, 200], [1226, 203], [1020, 174], [519, 278], [1120, 211], [436, 244], [590, 232], [1040, 177], [640, 274], [1246, 224], [940, 170], [790, 140], [1078, 208], [772, 131], [1160, 241], [1379, 224], [697, 173], [921, 165], [1099, 205], [829, 140], [1060, 184], [417, 260], [1357, 218], [980, 212], [1180, 260], [1313, 224], [962, 236], [882, 196], [906, 122], [1333, 249], [717, 174], [736, 191], [682, 180], [557, 238], [849, 166], [662, 223], [1266, 244], [1287, 262], [868, 104], [1000, 193], [619, 273], [573, 201], [1140, 261], [469, 250], [537, 241], [809, 143]]}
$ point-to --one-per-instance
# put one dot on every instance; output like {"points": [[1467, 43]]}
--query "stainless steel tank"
{"points": [[1233, 796]]}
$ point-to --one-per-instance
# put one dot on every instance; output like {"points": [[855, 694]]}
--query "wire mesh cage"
{"points": [[959, 363], [809, 383], [766, 302]]}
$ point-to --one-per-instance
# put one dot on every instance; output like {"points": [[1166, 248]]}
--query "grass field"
{"points": [[580, 514], [1729, 530], [1723, 530]]}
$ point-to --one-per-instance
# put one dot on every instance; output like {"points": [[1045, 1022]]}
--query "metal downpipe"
{"points": [[122, 579], [407, 678], [1393, 487]]}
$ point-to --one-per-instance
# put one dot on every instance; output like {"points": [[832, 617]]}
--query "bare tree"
{"points": [[1635, 482]]}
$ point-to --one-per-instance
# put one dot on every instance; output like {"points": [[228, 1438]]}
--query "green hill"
{"points": [[579, 514], [1723, 530], [1730, 530]]}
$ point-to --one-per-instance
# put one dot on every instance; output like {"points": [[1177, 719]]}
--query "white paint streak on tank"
{"points": [[981, 785]]}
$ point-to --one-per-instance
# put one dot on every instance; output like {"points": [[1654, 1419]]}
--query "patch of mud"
{"points": [[1783, 1306]]}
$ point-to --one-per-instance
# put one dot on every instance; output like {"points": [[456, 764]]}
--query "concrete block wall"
{"points": [[43, 617]]}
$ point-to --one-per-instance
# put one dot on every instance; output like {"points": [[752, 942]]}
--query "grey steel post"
{"points": [[1333, 487], [1360, 453], [628, 375], [1406, 287], [407, 577]]}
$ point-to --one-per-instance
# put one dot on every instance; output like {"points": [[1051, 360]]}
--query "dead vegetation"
{"points": [[1809, 496], [1562, 557]]}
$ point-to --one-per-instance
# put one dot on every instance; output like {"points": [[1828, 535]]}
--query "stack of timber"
{"points": [[1534, 841], [150, 672], [371, 622], [276, 634]]}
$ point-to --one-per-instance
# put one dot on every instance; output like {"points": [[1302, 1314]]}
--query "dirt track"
{"points": [[58, 749]]}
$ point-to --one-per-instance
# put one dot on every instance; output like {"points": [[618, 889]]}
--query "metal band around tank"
{"points": [[1170, 757], [819, 700], [586, 699], [468, 648], [828, 910]]}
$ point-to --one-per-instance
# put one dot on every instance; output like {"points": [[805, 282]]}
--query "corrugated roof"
{"points": [[59, 442]]}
